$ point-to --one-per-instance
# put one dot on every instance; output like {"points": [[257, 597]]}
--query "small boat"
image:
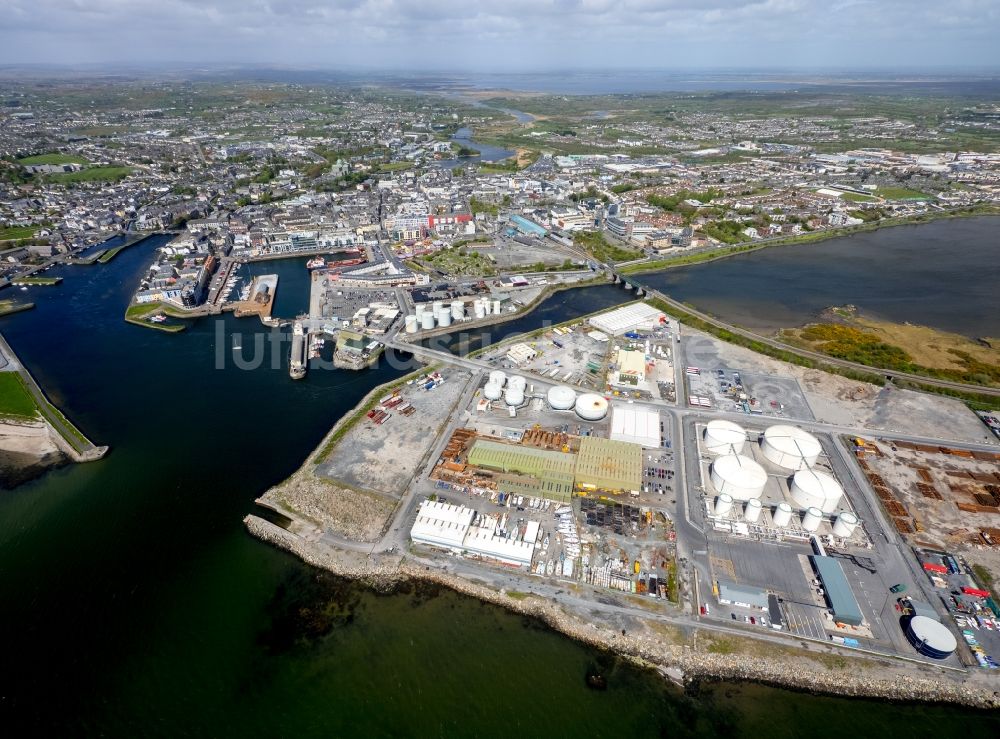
{"points": [[316, 263], [24, 287]]}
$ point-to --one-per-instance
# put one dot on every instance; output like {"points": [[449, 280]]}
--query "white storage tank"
{"points": [[421, 308], [931, 637], [591, 407], [457, 310], [517, 381], [782, 515], [561, 398], [427, 321], [477, 310], [790, 447], [816, 488], [492, 391], [514, 395], [723, 504], [500, 378], [724, 437], [845, 524], [812, 518], [436, 307], [444, 317], [753, 510], [411, 324], [738, 476], [496, 307]]}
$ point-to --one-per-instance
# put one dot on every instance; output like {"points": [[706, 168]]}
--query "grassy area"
{"points": [[902, 193], [92, 174], [673, 594], [53, 158], [461, 261], [394, 166], [858, 344], [33, 280], [11, 233], [15, 400], [138, 314], [854, 197], [595, 244], [12, 306], [108, 254]]}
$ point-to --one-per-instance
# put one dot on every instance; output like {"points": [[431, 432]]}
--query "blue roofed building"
{"points": [[839, 595]]}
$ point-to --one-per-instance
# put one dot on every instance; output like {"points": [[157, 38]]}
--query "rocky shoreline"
{"points": [[673, 661]]}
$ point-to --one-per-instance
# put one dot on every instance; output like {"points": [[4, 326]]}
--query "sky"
{"points": [[508, 35]]}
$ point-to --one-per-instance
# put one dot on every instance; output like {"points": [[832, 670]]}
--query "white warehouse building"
{"points": [[635, 425], [450, 527]]}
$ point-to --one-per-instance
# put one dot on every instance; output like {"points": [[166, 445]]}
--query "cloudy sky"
{"points": [[502, 35]]}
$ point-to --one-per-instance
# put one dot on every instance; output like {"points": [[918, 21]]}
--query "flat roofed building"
{"points": [[839, 595], [636, 426], [521, 353], [627, 318], [631, 367], [441, 524], [485, 543], [774, 612], [746, 596], [609, 466], [553, 471]]}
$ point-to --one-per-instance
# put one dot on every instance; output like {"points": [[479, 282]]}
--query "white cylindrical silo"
{"points": [[477, 310], [514, 395], [815, 488], [724, 437], [517, 381], [790, 447], [492, 391], [436, 306], [723, 504], [499, 377], [591, 407], [427, 321], [411, 324], [457, 310], [444, 317], [561, 398], [782, 515], [812, 518], [753, 510], [496, 307], [738, 476], [845, 524], [420, 308]]}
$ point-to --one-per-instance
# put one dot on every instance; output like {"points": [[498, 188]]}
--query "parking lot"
{"points": [[731, 388]]}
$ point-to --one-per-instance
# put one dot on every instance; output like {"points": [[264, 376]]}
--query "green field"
{"points": [[36, 280], [17, 232], [54, 158], [902, 193], [15, 400], [93, 174], [855, 198]]}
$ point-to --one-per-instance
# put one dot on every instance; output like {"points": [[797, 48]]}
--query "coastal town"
{"points": [[646, 478]]}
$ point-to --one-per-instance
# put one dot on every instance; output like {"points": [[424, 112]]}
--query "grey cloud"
{"points": [[506, 33]]}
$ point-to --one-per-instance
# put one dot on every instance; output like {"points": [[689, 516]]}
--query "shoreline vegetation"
{"points": [[139, 314]]}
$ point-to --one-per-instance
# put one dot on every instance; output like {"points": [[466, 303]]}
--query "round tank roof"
{"points": [[591, 407], [934, 634], [792, 440], [492, 391], [721, 436], [848, 517], [561, 398], [755, 503], [814, 488], [784, 507], [740, 470]]}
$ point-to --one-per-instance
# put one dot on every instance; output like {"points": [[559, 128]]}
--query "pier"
{"points": [[261, 301]]}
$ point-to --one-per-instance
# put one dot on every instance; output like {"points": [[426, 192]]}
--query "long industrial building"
{"points": [[839, 596], [450, 527]]}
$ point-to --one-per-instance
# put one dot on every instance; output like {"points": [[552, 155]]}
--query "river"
{"points": [[944, 274], [487, 153], [135, 604]]}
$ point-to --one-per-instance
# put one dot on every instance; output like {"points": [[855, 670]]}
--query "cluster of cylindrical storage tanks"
{"points": [[788, 447], [511, 389], [843, 526], [444, 314]]}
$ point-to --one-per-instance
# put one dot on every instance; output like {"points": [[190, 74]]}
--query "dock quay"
{"points": [[67, 436], [261, 300], [297, 361]]}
